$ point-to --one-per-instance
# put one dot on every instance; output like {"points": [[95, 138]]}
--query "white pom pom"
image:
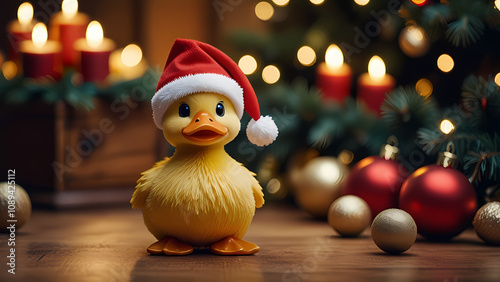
{"points": [[263, 131]]}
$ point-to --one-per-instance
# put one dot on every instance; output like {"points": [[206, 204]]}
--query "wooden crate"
{"points": [[69, 157]]}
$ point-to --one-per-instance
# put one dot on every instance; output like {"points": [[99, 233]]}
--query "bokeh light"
{"points": [[497, 77], [445, 63], [306, 56], [271, 74], [446, 126], [424, 87], [131, 55], [247, 64], [281, 3], [419, 2], [317, 2], [361, 2], [9, 70], [264, 10], [497, 4]]}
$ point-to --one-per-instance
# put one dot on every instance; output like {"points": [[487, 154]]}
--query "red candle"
{"points": [[19, 31], [374, 85], [333, 77], [41, 57], [67, 27], [95, 51]]}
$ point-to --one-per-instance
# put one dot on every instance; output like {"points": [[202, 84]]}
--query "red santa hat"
{"points": [[193, 67]]}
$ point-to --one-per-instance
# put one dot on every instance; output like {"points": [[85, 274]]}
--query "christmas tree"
{"points": [[443, 55]]}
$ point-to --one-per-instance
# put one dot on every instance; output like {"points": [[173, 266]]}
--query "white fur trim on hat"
{"points": [[194, 83], [263, 131]]}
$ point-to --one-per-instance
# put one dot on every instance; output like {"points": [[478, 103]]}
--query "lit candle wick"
{"points": [[25, 13], [334, 58], [39, 35], [94, 34], [69, 8], [376, 68]]}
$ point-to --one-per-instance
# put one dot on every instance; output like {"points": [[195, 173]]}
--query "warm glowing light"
{"points": [[334, 57], [264, 10], [376, 68], [446, 126], [419, 2], [497, 4], [317, 2], [9, 70], [25, 13], [414, 35], [361, 2], [497, 77], [69, 8], [94, 34], [424, 87], [247, 64], [131, 55], [346, 157], [329, 172], [39, 35], [271, 74], [445, 63], [273, 186], [281, 3], [306, 56]]}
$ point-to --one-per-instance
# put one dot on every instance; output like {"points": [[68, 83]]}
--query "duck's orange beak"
{"points": [[204, 128]]}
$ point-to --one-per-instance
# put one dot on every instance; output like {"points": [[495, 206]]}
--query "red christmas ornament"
{"points": [[377, 180], [439, 198]]}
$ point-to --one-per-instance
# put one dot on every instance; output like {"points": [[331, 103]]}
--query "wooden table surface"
{"points": [[110, 245]]}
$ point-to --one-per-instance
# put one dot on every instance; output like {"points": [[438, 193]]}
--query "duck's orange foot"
{"points": [[171, 247], [234, 246]]}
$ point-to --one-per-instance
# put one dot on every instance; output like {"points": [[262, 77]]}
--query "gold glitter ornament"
{"points": [[487, 223], [394, 231], [349, 215]]}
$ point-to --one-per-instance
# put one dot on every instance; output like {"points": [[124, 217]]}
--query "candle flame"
{"points": [[131, 55], [334, 57], [69, 8], [94, 34], [39, 35], [376, 68], [25, 13]]}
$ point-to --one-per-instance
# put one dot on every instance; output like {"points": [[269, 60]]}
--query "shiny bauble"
{"points": [[319, 185], [413, 41], [377, 181], [13, 201], [487, 223], [441, 201], [349, 215], [394, 231]]}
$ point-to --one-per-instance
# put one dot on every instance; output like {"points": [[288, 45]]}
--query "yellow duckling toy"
{"points": [[201, 197]]}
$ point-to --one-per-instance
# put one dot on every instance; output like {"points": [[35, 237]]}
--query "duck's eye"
{"points": [[219, 109], [184, 110]]}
